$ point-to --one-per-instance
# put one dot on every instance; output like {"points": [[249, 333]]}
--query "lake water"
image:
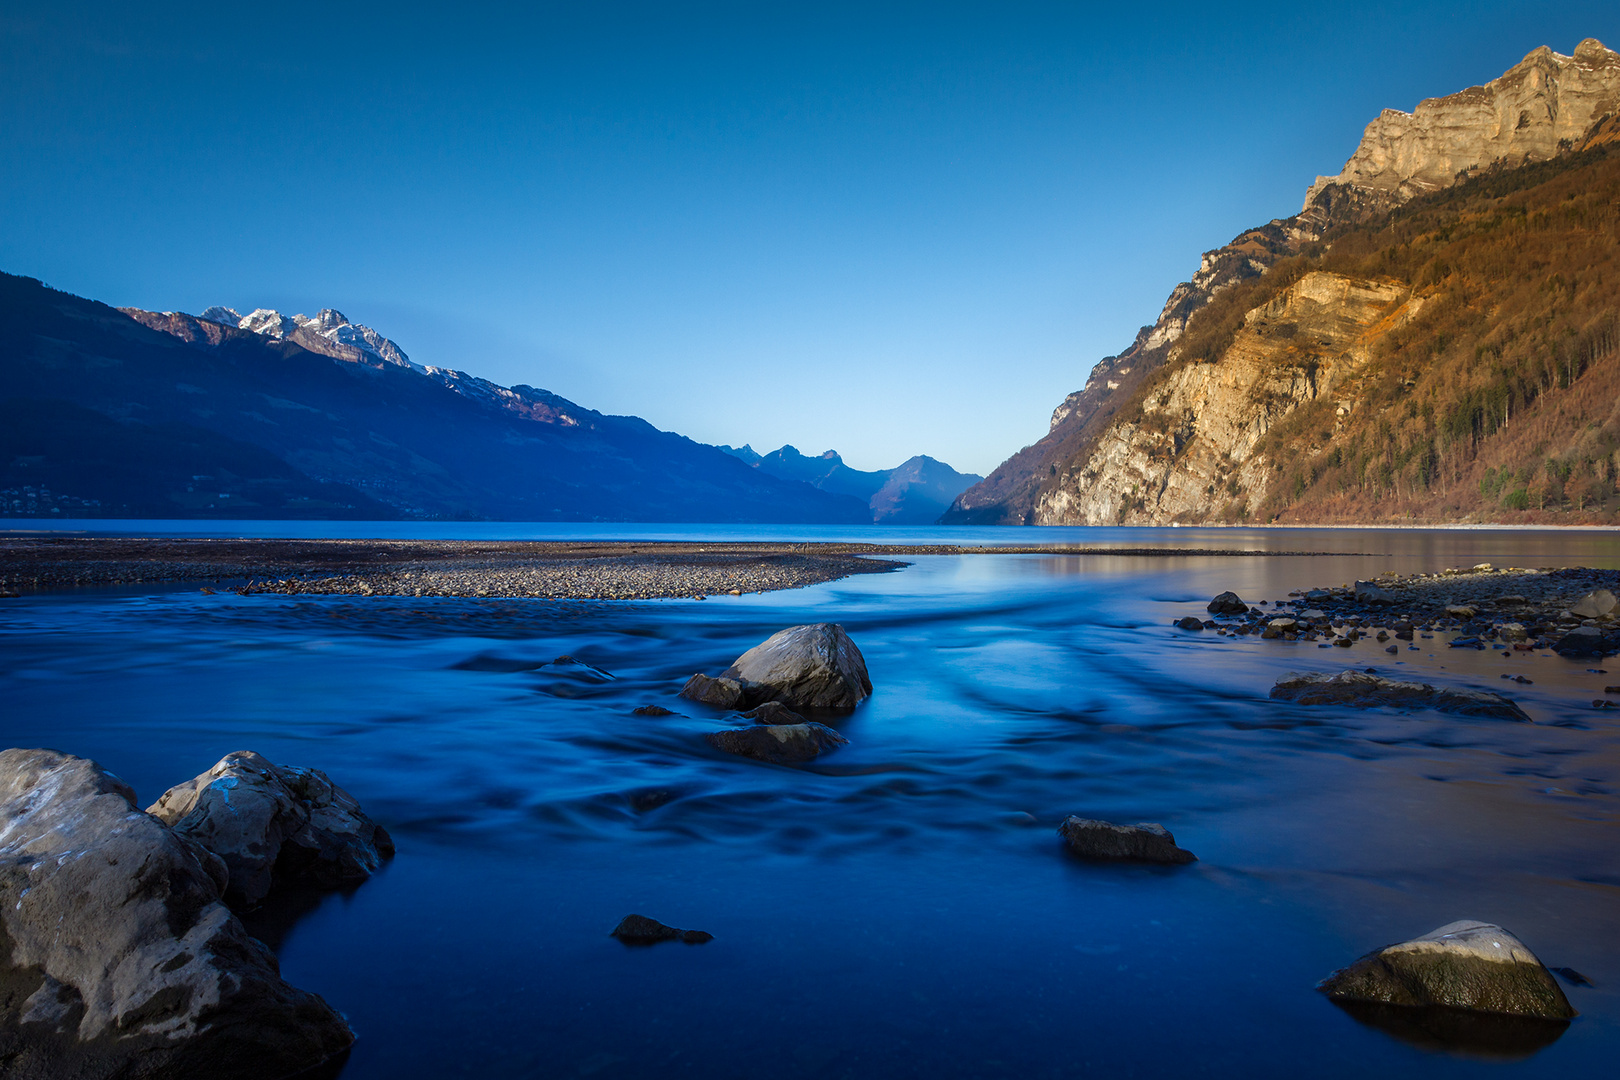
{"points": [[902, 907]]}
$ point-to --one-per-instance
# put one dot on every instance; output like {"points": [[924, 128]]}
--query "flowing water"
{"points": [[903, 906]]}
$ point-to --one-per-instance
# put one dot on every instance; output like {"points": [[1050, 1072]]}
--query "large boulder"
{"points": [[778, 744], [1363, 691], [266, 821], [1228, 603], [1144, 842], [117, 958], [815, 666], [1463, 965]]}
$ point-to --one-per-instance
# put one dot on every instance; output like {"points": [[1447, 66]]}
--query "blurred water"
{"points": [[903, 906]]}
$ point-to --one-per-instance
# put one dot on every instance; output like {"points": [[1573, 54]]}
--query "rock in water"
{"points": [[1143, 842], [1363, 691], [1462, 965], [123, 962], [773, 712], [1587, 641], [815, 666], [778, 744], [1228, 603], [1369, 592], [1190, 622], [266, 821], [640, 930]]}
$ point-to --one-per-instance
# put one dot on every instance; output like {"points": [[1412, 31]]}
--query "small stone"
{"points": [[653, 710], [1228, 603], [1191, 622], [1143, 842], [778, 744], [640, 930], [1392, 649]]}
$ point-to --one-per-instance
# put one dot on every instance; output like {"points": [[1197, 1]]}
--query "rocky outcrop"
{"points": [[777, 744], [1463, 965], [814, 666], [1144, 842], [266, 821], [1538, 108], [1361, 690], [1192, 445], [120, 960], [1541, 107]]}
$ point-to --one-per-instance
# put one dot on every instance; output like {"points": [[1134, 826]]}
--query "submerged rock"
{"points": [[640, 930], [266, 821], [1363, 691], [773, 712], [778, 744], [122, 960], [814, 666], [1463, 965], [652, 710], [1143, 842], [1228, 603]]}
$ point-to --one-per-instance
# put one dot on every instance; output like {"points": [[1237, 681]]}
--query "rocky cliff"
{"points": [[1544, 106]]}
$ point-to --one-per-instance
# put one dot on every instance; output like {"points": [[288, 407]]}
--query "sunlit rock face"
{"points": [[1195, 436], [1540, 106]]}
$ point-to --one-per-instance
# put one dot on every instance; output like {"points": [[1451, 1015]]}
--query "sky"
{"points": [[882, 228]]}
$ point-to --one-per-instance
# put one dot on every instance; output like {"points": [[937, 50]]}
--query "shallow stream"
{"points": [[903, 907]]}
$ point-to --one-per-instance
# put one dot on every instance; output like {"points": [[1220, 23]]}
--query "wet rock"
{"points": [[1368, 592], [1362, 691], [640, 930], [722, 693], [815, 666], [1143, 842], [652, 710], [778, 744], [1594, 605], [1463, 965], [1512, 632], [268, 821], [1228, 603], [773, 712], [122, 962], [1392, 649], [1462, 611], [1191, 622], [1313, 615], [1587, 641]]}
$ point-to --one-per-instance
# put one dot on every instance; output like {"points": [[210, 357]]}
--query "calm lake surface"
{"points": [[903, 907]]}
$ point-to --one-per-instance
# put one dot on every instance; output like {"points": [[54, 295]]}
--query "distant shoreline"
{"points": [[541, 569]]}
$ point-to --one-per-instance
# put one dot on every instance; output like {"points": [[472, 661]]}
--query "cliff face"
{"points": [[1537, 108], [1191, 444], [1541, 107]]}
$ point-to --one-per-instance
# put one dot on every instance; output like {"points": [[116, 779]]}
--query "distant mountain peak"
{"points": [[329, 324]]}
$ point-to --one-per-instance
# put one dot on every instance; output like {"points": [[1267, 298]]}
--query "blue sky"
{"points": [[887, 229]]}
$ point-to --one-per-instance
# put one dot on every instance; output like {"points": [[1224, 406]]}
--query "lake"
{"points": [[903, 906]]}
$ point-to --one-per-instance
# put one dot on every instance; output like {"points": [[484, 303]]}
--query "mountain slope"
{"points": [[1531, 113], [346, 420], [1457, 360]]}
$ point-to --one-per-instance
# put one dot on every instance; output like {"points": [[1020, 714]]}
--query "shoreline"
{"points": [[538, 569]]}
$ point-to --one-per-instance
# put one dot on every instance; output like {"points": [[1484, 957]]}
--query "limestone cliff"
{"points": [[1191, 444], [1545, 105]]}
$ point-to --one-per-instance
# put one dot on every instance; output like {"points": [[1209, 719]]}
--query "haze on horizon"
{"points": [[892, 230]]}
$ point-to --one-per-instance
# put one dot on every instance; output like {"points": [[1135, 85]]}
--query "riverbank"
{"points": [[547, 569]]}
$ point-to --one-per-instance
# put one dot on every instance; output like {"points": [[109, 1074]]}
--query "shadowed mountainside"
{"points": [[168, 415]]}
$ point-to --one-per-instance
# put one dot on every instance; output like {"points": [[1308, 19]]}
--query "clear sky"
{"points": [[882, 228]]}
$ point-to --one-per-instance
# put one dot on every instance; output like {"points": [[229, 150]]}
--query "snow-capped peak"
{"points": [[327, 323]]}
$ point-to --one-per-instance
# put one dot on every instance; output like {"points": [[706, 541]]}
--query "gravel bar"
{"points": [[583, 570]]}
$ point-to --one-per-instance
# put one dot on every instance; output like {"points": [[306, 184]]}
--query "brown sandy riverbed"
{"points": [[598, 570]]}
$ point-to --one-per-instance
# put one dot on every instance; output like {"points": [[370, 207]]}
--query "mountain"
{"points": [[914, 493], [139, 413], [1544, 109]]}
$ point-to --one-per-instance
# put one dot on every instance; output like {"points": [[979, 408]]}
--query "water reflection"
{"points": [[1490, 1036]]}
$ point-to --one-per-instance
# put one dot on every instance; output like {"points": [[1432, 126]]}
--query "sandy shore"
{"points": [[595, 570]]}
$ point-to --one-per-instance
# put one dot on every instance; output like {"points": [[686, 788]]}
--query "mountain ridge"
{"points": [[915, 492], [1384, 173]]}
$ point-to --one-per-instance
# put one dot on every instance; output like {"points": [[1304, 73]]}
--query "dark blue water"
{"points": [[903, 906]]}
